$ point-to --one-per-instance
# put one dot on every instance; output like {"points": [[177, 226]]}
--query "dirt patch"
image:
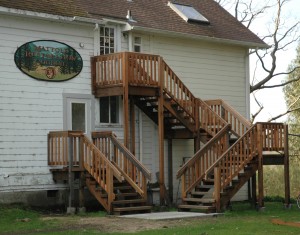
{"points": [[110, 224]]}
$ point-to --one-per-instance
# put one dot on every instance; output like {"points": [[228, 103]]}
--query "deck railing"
{"points": [[133, 171], [239, 124], [60, 145], [136, 69]]}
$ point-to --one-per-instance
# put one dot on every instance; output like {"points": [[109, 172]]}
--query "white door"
{"points": [[78, 115]]}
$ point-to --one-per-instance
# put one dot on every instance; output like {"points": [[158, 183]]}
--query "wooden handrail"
{"points": [[239, 124], [84, 152], [176, 90], [233, 161], [209, 120], [137, 175], [193, 171], [95, 161]]}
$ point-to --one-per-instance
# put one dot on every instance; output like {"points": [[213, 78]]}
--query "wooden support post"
{"points": [[132, 126], [70, 209], [82, 176], [110, 188], [286, 168], [170, 170], [125, 100], [217, 187], [161, 133], [260, 167], [197, 126], [253, 190]]}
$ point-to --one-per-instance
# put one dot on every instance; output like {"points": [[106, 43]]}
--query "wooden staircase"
{"points": [[112, 174], [221, 180], [233, 150]]}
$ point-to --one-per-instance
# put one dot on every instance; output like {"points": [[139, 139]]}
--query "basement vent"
{"points": [[188, 13]]}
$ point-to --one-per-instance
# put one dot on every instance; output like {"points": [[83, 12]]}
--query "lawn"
{"points": [[241, 220]]}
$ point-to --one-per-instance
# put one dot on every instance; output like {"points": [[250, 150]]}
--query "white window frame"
{"points": [[137, 44], [109, 113], [103, 36]]}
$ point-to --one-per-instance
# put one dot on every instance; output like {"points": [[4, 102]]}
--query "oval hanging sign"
{"points": [[48, 60]]}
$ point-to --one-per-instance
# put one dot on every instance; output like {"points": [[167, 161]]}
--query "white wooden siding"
{"points": [[29, 108], [210, 71]]}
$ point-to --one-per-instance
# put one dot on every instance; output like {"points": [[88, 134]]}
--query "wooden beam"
{"points": [[161, 134], [132, 126], [217, 187], [143, 91], [170, 169], [260, 167], [286, 168], [125, 101], [109, 91], [253, 190]]}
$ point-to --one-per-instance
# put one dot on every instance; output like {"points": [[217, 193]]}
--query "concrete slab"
{"points": [[170, 215]]}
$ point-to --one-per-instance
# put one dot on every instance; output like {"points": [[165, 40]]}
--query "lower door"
{"points": [[78, 115]]}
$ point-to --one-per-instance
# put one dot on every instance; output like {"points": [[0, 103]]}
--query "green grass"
{"points": [[241, 220]]}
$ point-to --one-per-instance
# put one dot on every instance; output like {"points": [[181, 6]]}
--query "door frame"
{"points": [[85, 98]]}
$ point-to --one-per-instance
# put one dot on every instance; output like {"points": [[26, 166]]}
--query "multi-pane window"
{"points": [[109, 109], [107, 40], [137, 44], [109, 106]]}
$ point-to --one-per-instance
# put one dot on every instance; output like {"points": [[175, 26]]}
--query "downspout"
{"points": [[141, 135], [247, 86]]}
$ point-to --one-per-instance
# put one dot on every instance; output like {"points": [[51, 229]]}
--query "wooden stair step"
{"points": [[132, 208], [126, 194], [206, 186], [199, 200], [122, 187], [197, 193], [132, 201], [208, 181], [197, 207]]}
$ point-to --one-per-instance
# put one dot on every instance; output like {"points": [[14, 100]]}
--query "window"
{"points": [[107, 40], [109, 109], [188, 13], [137, 44]]}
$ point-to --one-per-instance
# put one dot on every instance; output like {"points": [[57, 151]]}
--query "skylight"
{"points": [[188, 13]]}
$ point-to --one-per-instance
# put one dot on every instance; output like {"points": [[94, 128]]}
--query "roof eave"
{"points": [[251, 45], [33, 14]]}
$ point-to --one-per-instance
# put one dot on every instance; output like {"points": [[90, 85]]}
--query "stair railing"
{"points": [[132, 169], [239, 124], [209, 120], [74, 145], [174, 88], [193, 171], [260, 137]]}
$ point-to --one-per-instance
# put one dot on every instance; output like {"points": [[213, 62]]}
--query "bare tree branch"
{"points": [[261, 107], [276, 47], [289, 110], [283, 114]]}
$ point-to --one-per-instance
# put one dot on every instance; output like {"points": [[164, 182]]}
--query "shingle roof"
{"points": [[152, 14]]}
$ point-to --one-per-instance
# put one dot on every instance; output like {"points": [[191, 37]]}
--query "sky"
{"points": [[273, 99]]}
